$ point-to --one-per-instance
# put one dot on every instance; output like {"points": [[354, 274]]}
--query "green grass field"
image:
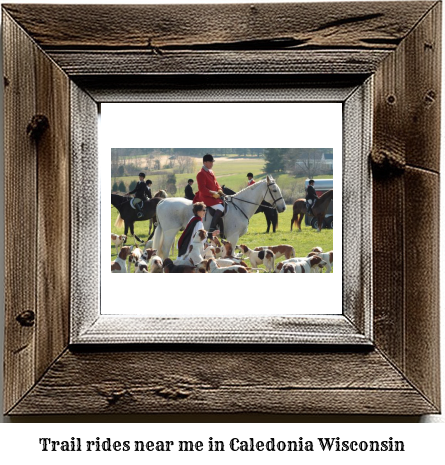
{"points": [[302, 242]]}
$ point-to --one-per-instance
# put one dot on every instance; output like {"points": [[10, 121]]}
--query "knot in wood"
{"points": [[26, 318], [387, 163], [113, 397], [37, 126], [173, 393], [391, 99], [112, 394]]}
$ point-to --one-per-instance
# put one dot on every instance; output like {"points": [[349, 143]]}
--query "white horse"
{"points": [[174, 213]]}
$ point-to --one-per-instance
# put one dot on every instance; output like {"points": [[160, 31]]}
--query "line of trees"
{"points": [[117, 153], [298, 161]]}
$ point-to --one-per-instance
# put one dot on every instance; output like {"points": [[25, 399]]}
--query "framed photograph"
{"points": [[363, 339]]}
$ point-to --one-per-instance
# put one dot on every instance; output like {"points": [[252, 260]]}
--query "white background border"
{"points": [[278, 125]]}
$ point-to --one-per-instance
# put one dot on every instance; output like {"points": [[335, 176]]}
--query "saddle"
{"points": [[310, 206], [212, 211], [134, 206]]}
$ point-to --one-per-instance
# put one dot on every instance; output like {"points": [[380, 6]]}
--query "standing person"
{"points": [[189, 190], [149, 183], [195, 224], [140, 191], [250, 180], [209, 191], [311, 196]]}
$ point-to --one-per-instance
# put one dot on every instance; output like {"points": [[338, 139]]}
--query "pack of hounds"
{"points": [[218, 257]]}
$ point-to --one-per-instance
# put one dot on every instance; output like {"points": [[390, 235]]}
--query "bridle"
{"points": [[273, 198], [273, 206]]}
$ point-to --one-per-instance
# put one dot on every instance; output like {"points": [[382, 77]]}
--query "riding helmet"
{"points": [[249, 174], [142, 175], [207, 157]]}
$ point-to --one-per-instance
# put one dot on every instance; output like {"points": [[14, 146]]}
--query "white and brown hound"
{"points": [[156, 264], [194, 255], [256, 258], [212, 267], [120, 265], [141, 266], [279, 250], [118, 241], [134, 257]]}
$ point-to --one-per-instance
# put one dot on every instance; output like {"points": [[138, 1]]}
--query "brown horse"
{"points": [[319, 210]]}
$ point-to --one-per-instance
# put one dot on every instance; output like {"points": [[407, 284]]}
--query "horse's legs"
{"points": [[320, 219], [150, 226], [233, 240], [300, 220], [131, 225], [292, 221], [268, 222], [169, 240]]}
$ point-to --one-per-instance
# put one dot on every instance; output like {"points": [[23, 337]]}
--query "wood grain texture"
{"points": [[356, 216], [112, 329], [422, 323], [53, 221], [160, 27], [406, 237], [84, 160], [219, 87], [20, 213], [130, 63], [223, 382], [423, 91]]}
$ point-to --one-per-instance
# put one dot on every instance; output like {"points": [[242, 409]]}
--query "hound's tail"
{"points": [[119, 223]]}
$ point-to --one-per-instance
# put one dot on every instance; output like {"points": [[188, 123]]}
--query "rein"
{"points": [[253, 203], [257, 204]]}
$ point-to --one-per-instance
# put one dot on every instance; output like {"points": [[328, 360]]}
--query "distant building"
{"points": [[327, 159]]}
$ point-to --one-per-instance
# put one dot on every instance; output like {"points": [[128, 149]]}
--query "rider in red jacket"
{"points": [[209, 191]]}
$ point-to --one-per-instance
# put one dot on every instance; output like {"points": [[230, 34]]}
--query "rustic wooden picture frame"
{"points": [[77, 56]]}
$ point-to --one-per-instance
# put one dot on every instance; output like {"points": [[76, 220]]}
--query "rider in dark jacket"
{"points": [[189, 190], [140, 191], [149, 183], [311, 196]]}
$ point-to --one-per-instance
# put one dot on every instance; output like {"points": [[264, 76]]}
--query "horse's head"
{"points": [[274, 196]]}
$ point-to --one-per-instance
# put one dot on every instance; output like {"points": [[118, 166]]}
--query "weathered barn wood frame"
{"points": [[78, 56]]}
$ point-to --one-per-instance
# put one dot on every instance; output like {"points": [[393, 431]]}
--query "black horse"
{"points": [[270, 213], [129, 214]]}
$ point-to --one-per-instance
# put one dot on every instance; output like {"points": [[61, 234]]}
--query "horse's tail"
{"points": [[158, 238], [119, 221]]}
